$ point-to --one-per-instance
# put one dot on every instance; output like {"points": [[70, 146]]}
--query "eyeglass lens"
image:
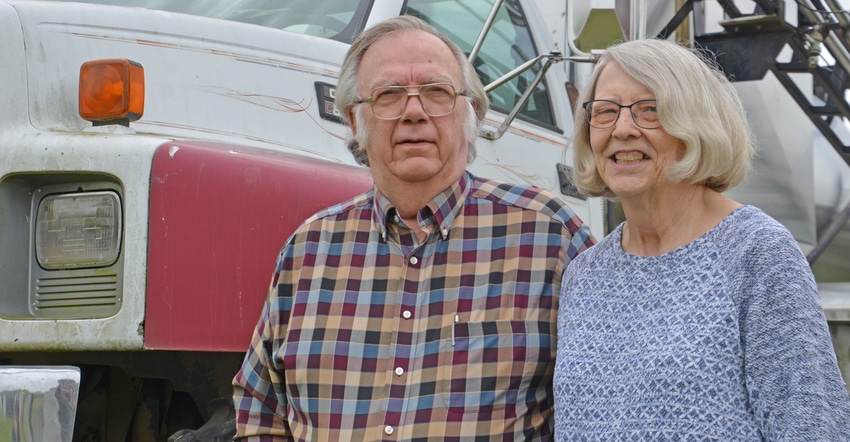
{"points": [[391, 101], [603, 114]]}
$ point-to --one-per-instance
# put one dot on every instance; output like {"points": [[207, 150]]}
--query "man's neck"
{"points": [[420, 232], [410, 198]]}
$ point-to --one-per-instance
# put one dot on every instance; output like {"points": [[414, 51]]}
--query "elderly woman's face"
{"points": [[630, 160]]}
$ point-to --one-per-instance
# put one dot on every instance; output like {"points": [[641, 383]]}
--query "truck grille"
{"points": [[91, 296]]}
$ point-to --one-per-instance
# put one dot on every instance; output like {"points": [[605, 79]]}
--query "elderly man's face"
{"points": [[416, 147]]}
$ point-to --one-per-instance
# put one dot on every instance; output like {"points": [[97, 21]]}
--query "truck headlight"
{"points": [[78, 230]]}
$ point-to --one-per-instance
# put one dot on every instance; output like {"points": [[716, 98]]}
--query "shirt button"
{"points": [[406, 314], [414, 260], [399, 371], [388, 430]]}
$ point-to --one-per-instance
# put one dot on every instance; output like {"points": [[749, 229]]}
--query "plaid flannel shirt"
{"points": [[367, 335]]}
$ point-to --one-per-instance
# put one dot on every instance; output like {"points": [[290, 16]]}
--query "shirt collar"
{"points": [[443, 209]]}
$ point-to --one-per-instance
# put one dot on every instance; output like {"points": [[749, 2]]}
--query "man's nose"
{"points": [[414, 107]]}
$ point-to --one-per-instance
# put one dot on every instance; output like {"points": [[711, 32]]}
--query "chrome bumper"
{"points": [[38, 403]]}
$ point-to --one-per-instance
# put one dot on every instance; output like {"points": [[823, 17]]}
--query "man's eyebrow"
{"points": [[385, 83], [433, 80], [389, 83]]}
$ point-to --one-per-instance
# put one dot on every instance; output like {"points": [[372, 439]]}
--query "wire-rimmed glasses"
{"points": [[603, 114], [389, 102]]}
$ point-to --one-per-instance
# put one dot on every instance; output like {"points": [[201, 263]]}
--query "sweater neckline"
{"points": [[617, 237]]}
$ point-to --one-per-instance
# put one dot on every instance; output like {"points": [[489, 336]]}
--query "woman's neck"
{"points": [[662, 223]]}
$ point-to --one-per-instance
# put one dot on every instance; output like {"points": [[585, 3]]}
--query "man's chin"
{"points": [[416, 169]]}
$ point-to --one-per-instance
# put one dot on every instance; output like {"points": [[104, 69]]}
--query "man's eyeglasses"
{"points": [[603, 114], [389, 102]]}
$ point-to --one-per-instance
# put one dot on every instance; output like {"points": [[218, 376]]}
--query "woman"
{"points": [[697, 318]]}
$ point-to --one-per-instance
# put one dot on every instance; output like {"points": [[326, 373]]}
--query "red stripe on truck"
{"points": [[218, 217]]}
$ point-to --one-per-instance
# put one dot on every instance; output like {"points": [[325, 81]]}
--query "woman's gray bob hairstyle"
{"points": [[346, 91], [696, 104]]}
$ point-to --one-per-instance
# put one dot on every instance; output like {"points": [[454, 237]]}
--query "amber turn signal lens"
{"points": [[112, 89]]}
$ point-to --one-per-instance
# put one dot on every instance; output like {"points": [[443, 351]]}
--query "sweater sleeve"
{"points": [[792, 376]]}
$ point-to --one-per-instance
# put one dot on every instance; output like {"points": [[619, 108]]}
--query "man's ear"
{"points": [[352, 120]]}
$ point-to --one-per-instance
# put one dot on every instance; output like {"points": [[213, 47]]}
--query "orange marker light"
{"points": [[112, 91]]}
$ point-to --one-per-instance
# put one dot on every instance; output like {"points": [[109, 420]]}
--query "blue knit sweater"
{"points": [[722, 339]]}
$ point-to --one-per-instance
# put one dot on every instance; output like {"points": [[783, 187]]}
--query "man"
{"points": [[425, 308]]}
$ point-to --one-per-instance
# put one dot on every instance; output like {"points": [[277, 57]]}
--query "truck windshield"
{"points": [[338, 19], [507, 45]]}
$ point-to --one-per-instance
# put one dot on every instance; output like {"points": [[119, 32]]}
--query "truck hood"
{"points": [[257, 90]]}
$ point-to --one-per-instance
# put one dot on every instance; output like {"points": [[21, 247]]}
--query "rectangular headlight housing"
{"points": [[77, 230]]}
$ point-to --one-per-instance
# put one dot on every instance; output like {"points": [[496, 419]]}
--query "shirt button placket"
{"points": [[398, 385]]}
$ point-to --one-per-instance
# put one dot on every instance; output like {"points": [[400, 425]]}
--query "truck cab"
{"points": [[138, 231], [156, 155]]}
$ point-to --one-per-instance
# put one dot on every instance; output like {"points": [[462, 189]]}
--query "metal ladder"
{"points": [[765, 33], [747, 50]]}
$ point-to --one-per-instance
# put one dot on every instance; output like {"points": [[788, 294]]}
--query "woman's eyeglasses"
{"points": [[603, 114]]}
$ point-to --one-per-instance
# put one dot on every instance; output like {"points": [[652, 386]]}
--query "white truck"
{"points": [[155, 155]]}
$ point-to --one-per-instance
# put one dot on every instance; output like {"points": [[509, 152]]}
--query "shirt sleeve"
{"points": [[258, 396], [791, 372], [578, 238]]}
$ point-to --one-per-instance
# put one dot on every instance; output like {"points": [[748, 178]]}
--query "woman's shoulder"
{"points": [[750, 226], [751, 216], [751, 239]]}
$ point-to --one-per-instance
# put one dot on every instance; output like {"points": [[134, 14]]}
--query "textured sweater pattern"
{"points": [[722, 339]]}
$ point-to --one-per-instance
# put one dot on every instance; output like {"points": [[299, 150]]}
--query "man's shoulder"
{"points": [[360, 205], [520, 196]]}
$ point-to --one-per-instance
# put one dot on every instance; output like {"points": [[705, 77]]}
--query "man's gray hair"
{"points": [[346, 91]]}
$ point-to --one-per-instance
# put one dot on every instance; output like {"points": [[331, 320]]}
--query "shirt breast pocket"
{"points": [[496, 364]]}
